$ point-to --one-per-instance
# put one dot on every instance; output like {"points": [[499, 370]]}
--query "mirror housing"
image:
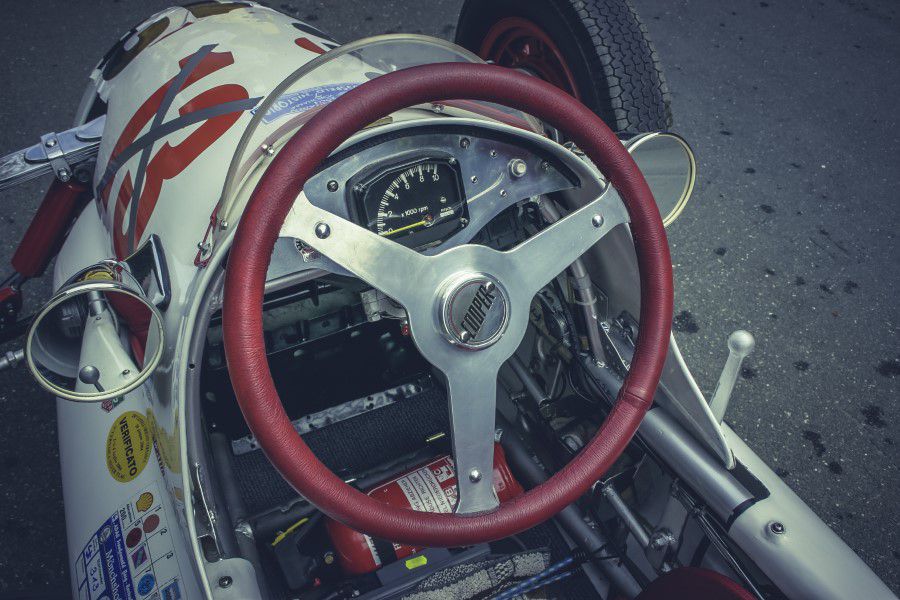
{"points": [[98, 338], [669, 166]]}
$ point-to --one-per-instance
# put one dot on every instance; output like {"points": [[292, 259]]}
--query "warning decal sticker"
{"points": [[128, 446], [131, 556], [423, 490]]}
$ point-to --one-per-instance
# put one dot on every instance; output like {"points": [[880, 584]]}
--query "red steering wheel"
{"points": [[437, 292]]}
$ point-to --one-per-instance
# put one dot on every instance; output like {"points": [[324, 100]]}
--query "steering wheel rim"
{"points": [[273, 200]]}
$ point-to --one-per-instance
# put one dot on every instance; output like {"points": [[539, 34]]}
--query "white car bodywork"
{"points": [[808, 560]]}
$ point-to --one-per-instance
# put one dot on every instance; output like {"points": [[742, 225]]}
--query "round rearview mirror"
{"points": [[668, 165], [98, 338]]}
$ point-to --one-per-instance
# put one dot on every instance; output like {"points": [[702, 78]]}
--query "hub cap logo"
{"points": [[474, 312], [478, 309]]}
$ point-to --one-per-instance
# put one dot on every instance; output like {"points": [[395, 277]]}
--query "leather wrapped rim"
{"points": [[252, 248]]}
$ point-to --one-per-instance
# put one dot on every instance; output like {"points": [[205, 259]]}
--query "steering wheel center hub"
{"points": [[474, 311]]}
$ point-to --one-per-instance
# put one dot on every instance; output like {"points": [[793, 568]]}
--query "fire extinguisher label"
{"points": [[423, 489]]}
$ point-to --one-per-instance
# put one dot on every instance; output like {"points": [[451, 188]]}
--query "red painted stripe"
{"points": [[308, 44], [170, 161], [120, 245]]}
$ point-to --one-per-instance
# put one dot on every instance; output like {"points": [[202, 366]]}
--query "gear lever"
{"points": [[740, 345]]}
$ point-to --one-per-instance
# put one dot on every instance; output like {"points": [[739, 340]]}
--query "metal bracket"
{"points": [[209, 524], [56, 157], [57, 153]]}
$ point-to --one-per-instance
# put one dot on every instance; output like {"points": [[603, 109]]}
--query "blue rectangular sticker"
{"points": [[131, 555], [303, 100], [106, 564]]}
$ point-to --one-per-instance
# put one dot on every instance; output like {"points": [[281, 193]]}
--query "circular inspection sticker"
{"points": [[128, 446]]}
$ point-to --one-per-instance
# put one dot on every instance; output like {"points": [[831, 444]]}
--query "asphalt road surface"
{"points": [[791, 108]]}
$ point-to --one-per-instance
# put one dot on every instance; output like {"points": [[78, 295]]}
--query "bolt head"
{"points": [[474, 475], [50, 143], [332, 186], [322, 230], [597, 221], [465, 336], [64, 175], [225, 581], [777, 527], [517, 167], [464, 143]]}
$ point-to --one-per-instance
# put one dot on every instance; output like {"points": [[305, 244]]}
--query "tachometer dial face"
{"points": [[416, 204]]}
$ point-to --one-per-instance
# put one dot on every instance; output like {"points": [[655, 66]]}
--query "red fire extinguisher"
{"points": [[429, 488]]}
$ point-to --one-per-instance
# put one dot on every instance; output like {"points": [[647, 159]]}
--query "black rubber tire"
{"points": [[605, 45]]}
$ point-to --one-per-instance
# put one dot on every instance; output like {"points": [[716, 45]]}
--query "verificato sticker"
{"points": [[298, 102], [128, 446]]}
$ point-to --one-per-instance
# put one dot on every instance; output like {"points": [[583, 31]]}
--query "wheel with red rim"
{"points": [[518, 43], [425, 284], [595, 50]]}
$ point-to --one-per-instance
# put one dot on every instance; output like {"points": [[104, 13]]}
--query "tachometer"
{"points": [[416, 204]]}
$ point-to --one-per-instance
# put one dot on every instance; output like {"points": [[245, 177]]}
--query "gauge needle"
{"points": [[404, 228]]}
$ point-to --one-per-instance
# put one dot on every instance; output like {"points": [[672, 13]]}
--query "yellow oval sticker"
{"points": [[128, 446]]}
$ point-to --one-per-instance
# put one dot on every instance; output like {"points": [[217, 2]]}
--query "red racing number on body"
{"points": [[169, 160]]}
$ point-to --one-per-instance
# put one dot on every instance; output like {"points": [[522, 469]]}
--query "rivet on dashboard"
{"points": [[597, 220], [322, 230], [464, 143], [503, 193], [493, 153], [332, 186], [474, 475], [474, 179]]}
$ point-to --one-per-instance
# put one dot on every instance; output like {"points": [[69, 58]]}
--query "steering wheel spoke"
{"points": [[380, 262], [473, 401], [542, 257]]}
